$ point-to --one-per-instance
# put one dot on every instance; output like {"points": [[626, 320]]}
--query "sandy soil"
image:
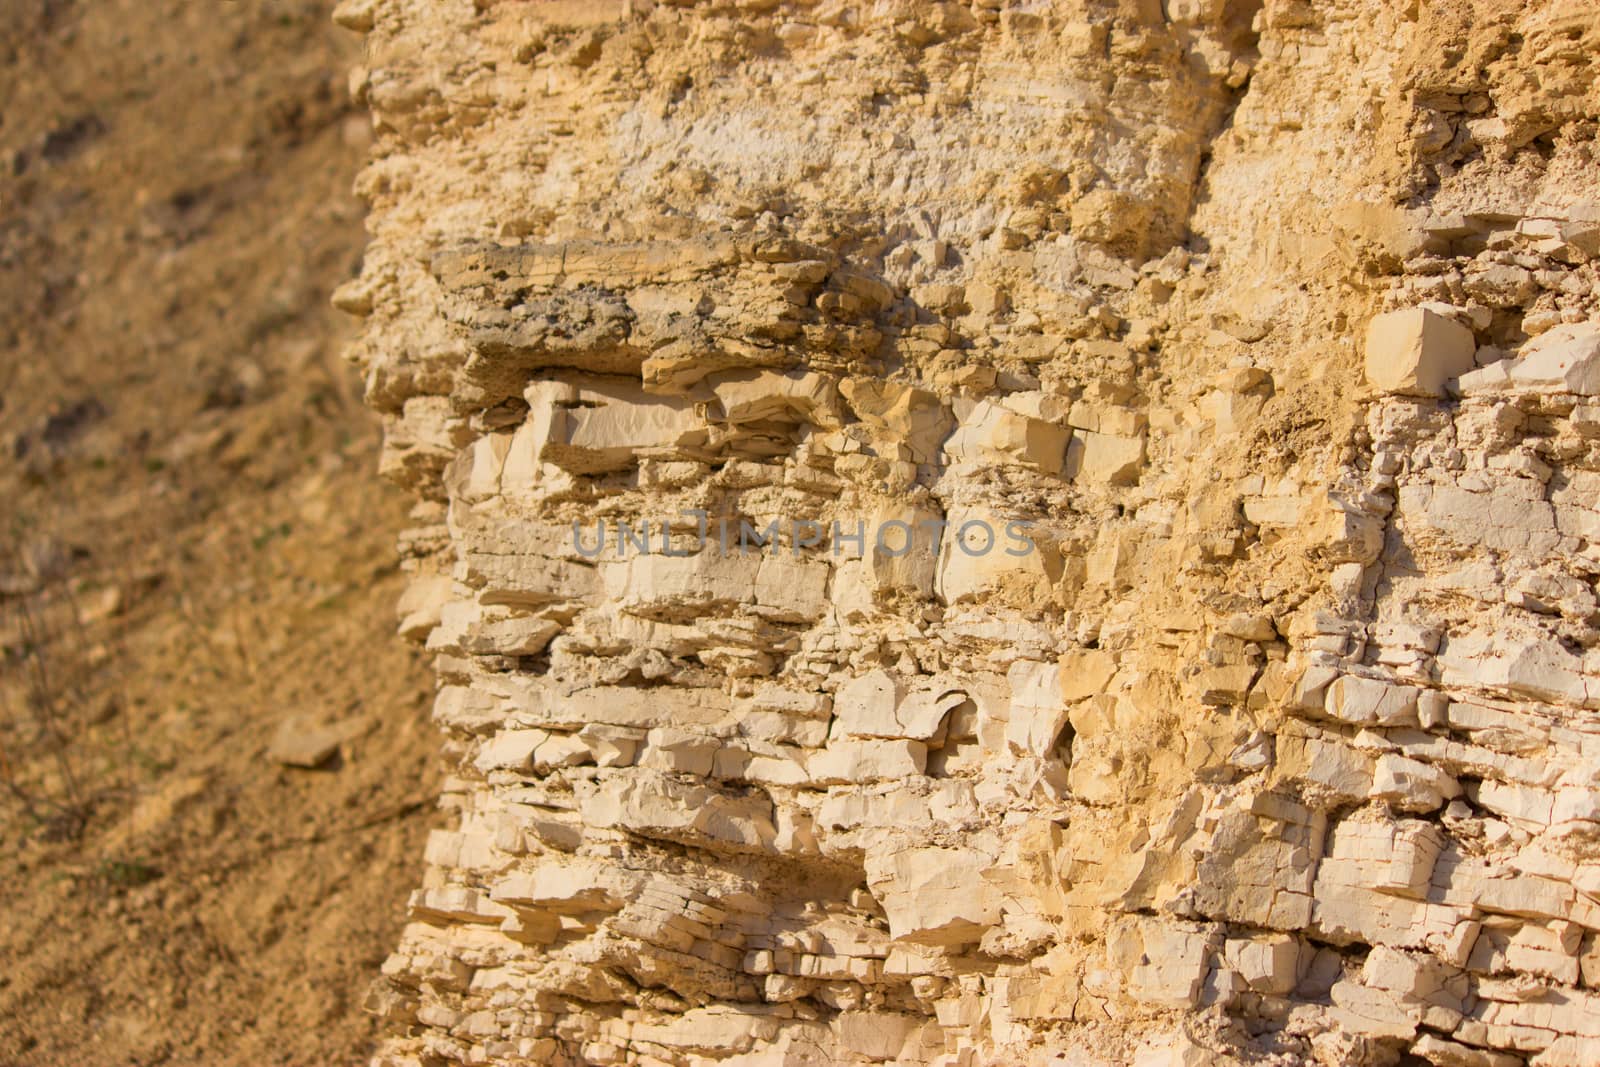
{"points": [[194, 548]]}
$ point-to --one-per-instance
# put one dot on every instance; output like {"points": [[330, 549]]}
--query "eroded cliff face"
{"points": [[1263, 341]]}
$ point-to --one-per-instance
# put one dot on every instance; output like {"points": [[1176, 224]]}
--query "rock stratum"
{"points": [[1262, 344]]}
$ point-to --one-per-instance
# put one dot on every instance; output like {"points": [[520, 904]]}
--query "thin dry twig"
{"points": [[55, 678]]}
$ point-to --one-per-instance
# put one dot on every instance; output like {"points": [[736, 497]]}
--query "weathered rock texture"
{"points": [[1279, 326]]}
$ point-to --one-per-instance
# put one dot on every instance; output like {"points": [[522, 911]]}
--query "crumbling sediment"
{"points": [[1271, 330]]}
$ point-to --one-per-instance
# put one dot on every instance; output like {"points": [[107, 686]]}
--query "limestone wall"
{"points": [[1265, 343]]}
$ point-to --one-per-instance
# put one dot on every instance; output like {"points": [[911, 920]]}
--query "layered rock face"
{"points": [[988, 533]]}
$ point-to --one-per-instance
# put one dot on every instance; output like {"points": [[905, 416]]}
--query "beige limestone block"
{"points": [[1084, 673], [791, 590], [1565, 359], [901, 415], [1269, 963], [934, 896], [1330, 771], [653, 805], [570, 886], [1162, 962], [1411, 785], [1367, 701], [978, 557], [1518, 665], [1037, 713], [495, 632], [474, 475], [510, 750], [529, 580], [1371, 1012], [668, 748], [1228, 684], [751, 396], [844, 762], [683, 586], [629, 707], [1104, 458], [611, 746], [865, 706], [1417, 979], [609, 425], [458, 707], [1569, 1050], [419, 607], [876, 1035], [1107, 419], [993, 433], [1259, 869], [1415, 351], [1272, 510], [902, 550]]}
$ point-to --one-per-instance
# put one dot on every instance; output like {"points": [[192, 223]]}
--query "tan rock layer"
{"points": [[984, 534]]}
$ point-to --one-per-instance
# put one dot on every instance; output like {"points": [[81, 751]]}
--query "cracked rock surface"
{"points": [[990, 533]]}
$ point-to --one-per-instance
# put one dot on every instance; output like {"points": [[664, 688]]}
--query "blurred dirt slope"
{"points": [[193, 547]]}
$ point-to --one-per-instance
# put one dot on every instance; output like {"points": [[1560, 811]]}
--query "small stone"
{"points": [[304, 743]]}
